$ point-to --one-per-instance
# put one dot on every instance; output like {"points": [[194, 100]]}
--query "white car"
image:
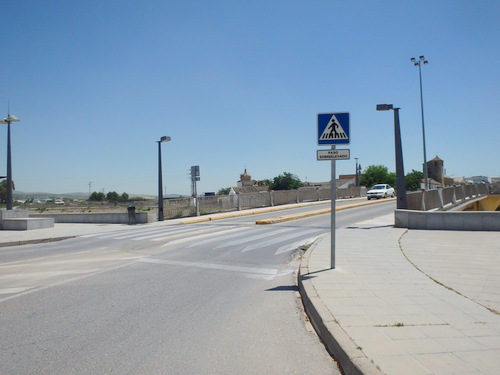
{"points": [[380, 191]]}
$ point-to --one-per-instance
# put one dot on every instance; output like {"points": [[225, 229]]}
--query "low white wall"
{"points": [[99, 218], [448, 220], [438, 198]]}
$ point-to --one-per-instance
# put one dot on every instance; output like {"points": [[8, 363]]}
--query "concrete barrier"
{"points": [[439, 198], [448, 220], [99, 218], [19, 220], [432, 199]]}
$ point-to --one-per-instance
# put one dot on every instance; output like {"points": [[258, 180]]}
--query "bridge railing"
{"points": [[441, 198], [221, 203]]}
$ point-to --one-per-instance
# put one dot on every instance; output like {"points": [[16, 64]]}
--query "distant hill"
{"points": [[80, 196]]}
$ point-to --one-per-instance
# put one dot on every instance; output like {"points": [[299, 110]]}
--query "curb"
{"points": [[36, 241], [337, 342], [249, 212]]}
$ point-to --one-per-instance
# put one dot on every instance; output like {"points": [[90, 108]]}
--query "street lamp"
{"points": [[358, 172], [400, 173], [419, 63], [160, 179], [10, 118]]}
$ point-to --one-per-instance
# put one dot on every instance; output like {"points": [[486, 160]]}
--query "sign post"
{"points": [[333, 129]]}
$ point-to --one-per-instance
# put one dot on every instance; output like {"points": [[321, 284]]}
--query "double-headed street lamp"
{"points": [[419, 63], [400, 173], [10, 118], [358, 172], [160, 179]]}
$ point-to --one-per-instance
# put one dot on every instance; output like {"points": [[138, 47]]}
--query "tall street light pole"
{"points": [[358, 172], [160, 179], [419, 63], [10, 118], [402, 202]]}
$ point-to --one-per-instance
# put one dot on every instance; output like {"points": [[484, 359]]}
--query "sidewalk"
{"points": [[429, 306]]}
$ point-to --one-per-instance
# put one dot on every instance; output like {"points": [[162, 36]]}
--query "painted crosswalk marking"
{"points": [[253, 238], [277, 240], [267, 273]]}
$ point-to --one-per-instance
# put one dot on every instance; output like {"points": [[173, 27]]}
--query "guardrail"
{"points": [[441, 198], [221, 203]]}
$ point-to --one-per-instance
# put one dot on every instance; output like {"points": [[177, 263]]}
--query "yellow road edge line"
{"points": [[279, 208]]}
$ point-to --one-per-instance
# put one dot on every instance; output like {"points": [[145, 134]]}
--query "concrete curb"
{"points": [[35, 241], [281, 219], [336, 340], [248, 212]]}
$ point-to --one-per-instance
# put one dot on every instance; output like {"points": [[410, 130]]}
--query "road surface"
{"points": [[217, 297]]}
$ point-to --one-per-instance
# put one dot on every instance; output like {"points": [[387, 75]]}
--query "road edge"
{"points": [[337, 342]]}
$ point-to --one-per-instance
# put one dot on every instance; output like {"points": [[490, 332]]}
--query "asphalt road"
{"points": [[211, 298]]}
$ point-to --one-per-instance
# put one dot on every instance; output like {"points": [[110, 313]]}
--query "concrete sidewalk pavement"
{"points": [[406, 301]]}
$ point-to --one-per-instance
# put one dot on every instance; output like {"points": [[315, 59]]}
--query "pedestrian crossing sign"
{"points": [[334, 128]]}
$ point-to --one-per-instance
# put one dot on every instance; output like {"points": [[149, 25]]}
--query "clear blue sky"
{"points": [[239, 83]]}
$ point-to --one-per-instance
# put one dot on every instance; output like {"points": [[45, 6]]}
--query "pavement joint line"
{"points": [[439, 282]]}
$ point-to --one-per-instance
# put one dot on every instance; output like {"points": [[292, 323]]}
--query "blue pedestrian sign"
{"points": [[334, 129]]}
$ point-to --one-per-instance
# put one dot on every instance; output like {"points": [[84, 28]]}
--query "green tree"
{"points": [[224, 191], [96, 197], [285, 181], [113, 196], [377, 174], [124, 197], [3, 190], [413, 180]]}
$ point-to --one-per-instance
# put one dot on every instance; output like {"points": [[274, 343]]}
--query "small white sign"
{"points": [[342, 154]]}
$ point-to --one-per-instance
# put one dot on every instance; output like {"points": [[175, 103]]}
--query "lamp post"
{"points": [[402, 203], [10, 118], [160, 179], [358, 172], [419, 63]]}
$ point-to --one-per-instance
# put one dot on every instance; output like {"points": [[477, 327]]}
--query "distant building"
{"points": [[479, 179], [435, 171], [245, 180], [436, 174], [247, 185]]}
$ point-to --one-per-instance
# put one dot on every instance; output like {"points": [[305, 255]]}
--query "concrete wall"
{"points": [[19, 220], [101, 218], [440, 198], [448, 220], [174, 208]]}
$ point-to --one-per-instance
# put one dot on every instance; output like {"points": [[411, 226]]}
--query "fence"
{"points": [[441, 198], [173, 208]]}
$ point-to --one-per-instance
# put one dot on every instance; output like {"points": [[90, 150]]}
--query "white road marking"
{"points": [[225, 267], [276, 240], [294, 245], [254, 237]]}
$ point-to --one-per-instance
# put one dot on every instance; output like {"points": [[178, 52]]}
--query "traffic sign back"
{"points": [[334, 128]]}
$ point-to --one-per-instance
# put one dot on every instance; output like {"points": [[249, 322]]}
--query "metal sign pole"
{"points": [[332, 214], [333, 129]]}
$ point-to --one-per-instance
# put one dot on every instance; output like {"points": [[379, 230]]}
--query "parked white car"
{"points": [[380, 191]]}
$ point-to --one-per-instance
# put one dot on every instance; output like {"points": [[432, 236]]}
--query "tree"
{"points": [[413, 180], [96, 197], [3, 190], [377, 174], [285, 181], [224, 191], [124, 197], [113, 196]]}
